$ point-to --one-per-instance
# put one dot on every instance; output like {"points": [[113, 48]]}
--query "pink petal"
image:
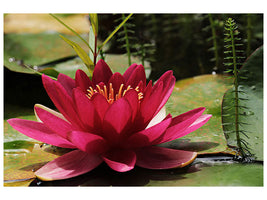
{"points": [[69, 165], [154, 157], [102, 73], [129, 71], [203, 119], [117, 119], [58, 125], [82, 80], [57, 114], [121, 161], [88, 142], [148, 136], [40, 132], [67, 82], [116, 80], [137, 75], [181, 123], [85, 109]]}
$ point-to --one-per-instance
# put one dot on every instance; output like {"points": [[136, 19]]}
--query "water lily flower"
{"points": [[111, 118]]}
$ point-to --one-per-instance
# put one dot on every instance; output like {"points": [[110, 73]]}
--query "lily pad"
{"points": [[217, 175], [36, 49], [14, 111], [251, 106], [200, 91], [20, 166]]}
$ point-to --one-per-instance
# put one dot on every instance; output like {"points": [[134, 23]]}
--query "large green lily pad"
{"points": [[36, 49], [251, 107], [201, 91], [217, 175]]}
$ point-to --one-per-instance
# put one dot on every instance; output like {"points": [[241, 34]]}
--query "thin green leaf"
{"points": [[111, 35], [81, 53], [71, 30]]}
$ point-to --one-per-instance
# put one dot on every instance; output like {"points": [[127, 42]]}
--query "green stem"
{"points": [[236, 91], [95, 50]]}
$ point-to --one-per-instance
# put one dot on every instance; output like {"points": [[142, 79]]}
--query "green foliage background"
{"points": [[183, 42]]}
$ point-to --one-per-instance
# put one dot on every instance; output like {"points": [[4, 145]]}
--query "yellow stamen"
{"points": [[108, 93]]}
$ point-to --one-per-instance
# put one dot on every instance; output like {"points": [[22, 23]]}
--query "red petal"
{"points": [[117, 119], [69, 165], [120, 161], [166, 93], [129, 71], [40, 132], [58, 125], [88, 142], [181, 123], [132, 97], [163, 158], [82, 80], [148, 136], [102, 73], [67, 82], [137, 75], [101, 105], [85, 109], [150, 104], [61, 99]]}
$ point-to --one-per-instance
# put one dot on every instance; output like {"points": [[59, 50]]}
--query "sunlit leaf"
{"points": [[69, 28], [92, 44], [81, 53], [94, 22]]}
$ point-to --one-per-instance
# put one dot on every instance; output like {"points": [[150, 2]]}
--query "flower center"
{"points": [[109, 93]]}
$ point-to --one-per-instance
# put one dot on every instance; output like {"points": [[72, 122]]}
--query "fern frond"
{"points": [[233, 56]]}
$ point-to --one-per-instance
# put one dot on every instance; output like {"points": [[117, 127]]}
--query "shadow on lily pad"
{"points": [[186, 145], [104, 176]]}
